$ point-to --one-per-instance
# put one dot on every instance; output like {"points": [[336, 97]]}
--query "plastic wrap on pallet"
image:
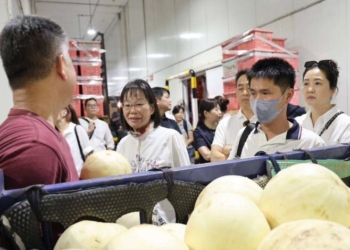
{"points": [[253, 39], [247, 41], [90, 49], [89, 79]]}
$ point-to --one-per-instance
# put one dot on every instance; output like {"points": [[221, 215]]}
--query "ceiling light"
{"points": [[91, 31], [135, 69], [157, 55], [190, 35], [119, 78]]}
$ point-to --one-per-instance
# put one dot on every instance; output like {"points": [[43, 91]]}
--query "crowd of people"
{"points": [[42, 141], [55, 142]]}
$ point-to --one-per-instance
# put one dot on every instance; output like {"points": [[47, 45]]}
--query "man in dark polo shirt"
{"points": [[164, 104], [34, 52]]}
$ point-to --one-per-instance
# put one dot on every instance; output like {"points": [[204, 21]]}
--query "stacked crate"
{"points": [[86, 56], [242, 51]]}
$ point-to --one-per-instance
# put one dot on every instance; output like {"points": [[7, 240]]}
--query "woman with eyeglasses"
{"points": [[75, 135], [209, 117], [324, 118], [148, 145]]}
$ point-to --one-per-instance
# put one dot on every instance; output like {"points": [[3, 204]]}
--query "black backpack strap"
{"points": [[248, 129], [88, 124], [80, 149], [330, 121]]}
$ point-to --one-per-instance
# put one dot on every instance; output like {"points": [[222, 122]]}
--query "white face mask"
{"points": [[266, 111]]}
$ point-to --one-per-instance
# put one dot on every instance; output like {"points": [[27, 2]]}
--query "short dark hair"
{"points": [[206, 104], [223, 102], [240, 73], [159, 92], [29, 46], [331, 71], [89, 99], [177, 109], [276, 69], [132, 88]]}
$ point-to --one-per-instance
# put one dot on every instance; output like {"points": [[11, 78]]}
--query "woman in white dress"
{"points": [[324, 118]]}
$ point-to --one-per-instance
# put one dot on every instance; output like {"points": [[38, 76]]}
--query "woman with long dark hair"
{"points": [[75, 135], [209, 117]]}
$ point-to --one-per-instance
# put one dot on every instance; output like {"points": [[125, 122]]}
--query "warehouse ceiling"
{"points": [[75, 15]]}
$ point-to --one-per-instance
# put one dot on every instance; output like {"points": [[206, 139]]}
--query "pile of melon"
{"points": [[105, 163], [305, 206], [110, 236]]}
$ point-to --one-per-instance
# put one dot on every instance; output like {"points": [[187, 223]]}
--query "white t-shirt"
{"points": [[71, 139], [156, 148], [228, 129], [102, 135], [296, 137], [338, 132]]}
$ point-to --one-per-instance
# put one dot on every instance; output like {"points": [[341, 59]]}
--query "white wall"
{"points": [[116, 56], [320, 32], [317, 29]]}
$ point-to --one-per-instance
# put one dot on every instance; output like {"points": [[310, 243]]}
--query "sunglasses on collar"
{"points": [[322, 63]]}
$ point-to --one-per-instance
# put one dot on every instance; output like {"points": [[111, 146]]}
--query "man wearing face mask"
{"points": [[271, 83]]}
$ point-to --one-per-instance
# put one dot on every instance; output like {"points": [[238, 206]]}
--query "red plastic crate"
{"points": [[90, 54], [87, 70], [76, 90], [86, 45], [73, 54], [229, 84], [247, 41], [296, 98], [92, 89], [76, 105], [247, 60], [100, 106], [253, 44], [279, 41], [267, 34]]}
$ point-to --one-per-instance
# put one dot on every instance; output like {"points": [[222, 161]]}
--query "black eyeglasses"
{"points": [[322, 63]]}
